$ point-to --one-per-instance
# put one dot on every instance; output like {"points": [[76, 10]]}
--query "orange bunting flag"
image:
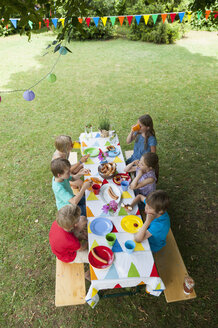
{"points": [[121, 19], [40, 24], [189, 15], [172, 16], [88, 19], [80, 20], [164, 16], [104, 20], [146, 18], [207, 13], [129, 18]]}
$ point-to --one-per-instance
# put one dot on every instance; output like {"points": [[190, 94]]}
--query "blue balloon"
{"points": [[28, 95], [63, 51]]}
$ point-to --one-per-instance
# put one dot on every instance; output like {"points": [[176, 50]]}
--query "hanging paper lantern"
{"points": [[51, 78], [63, 51], [29, 95]]}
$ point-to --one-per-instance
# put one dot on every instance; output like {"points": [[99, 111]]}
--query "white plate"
{"points": [[104, 193]]}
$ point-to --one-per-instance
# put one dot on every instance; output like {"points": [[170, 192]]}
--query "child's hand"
{"points": [[87, 184], [84, 171], [135, 162], [150, 217], [83, 159], [84, 245]]}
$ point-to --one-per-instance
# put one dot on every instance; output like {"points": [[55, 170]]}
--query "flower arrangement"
{"points": [[111, 207], [102, 156]]}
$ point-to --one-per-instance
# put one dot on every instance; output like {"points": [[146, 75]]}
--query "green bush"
{"points": [[7, 31], [211, 24]]}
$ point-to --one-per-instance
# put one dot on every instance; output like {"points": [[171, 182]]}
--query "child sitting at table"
{"points": [[146, 173], [64, 195], [157, 223], [63, 145], [144, 136], [64, 236]]}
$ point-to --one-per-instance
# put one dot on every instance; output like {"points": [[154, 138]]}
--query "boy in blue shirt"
{"points": [[64, 195], [157, 223]]}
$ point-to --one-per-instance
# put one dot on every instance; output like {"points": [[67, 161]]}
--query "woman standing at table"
{"points": [[144, 136]]}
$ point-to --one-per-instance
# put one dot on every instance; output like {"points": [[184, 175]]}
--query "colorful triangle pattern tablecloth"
{"points": [[127, 270]]}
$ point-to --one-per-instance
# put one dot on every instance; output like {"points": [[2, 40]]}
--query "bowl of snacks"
{"points": [[107, 170]]}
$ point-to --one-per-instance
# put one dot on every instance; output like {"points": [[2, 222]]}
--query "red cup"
{"points": [[96, 188]]}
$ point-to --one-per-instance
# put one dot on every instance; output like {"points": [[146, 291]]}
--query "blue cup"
{"points": [[124, 185], [130, 246]]}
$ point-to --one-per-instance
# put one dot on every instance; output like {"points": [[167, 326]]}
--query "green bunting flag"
{"points": [[154, 16]]}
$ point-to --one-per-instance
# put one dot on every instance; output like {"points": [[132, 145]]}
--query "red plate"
{"points": [[105, 253], [121, 176]]}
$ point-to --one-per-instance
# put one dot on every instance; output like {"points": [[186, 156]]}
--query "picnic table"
{"points": [[127, 270]]}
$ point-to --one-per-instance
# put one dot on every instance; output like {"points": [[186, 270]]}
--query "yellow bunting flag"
{"points": [[139, 247], [94, 244], [189, 15], [76, 145], [62, 21], [89, 161], [104, 20], [158, 286], [89, 230], [117, 160], [94, 291], [125, 194], [92, 196], [146, 18]]}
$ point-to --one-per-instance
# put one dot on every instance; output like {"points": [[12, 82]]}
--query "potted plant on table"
{"points": [[104, 124], [110, 208]]}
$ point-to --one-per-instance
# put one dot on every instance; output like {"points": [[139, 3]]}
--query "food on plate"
{"points": [[108, 169], [112, 194], [111, 148], [98, 258], [127, 207], [136, 225], [96, 180]]}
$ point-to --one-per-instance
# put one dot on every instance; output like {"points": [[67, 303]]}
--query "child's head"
{"points": [[63, 144], [60, 168], [146, 124], [68, 216], [157, 202], [148, 162]]}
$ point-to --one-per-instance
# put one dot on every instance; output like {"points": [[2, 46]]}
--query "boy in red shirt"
{"points": [[66, 234]]}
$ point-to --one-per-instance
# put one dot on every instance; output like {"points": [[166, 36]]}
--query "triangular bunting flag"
{"points": [[118, 144], [154, 271], [114, 228], [88, 19], [215, 14], [88, 212], [96, 20], [172, 16], [199, 13], [30, 24], [89, 230], [46, 22], [154, 17], [40, 24], [189, 15], [112, 18], [164, 16], [207, 13], [117, 160], [92, 273], [76, 145], [62, 21], [121, 19], [117, 286], [133, 272], [116, 247], [146, 18], [158, 286], [181, 16], [89, 161], [125, 194], [55, 22], [94, 244], [104, 182], [141, 283], [122, 211], [129, 18], [80, 20], [98, 135], [137, 18], [139, 247], [84, 144], [104, 20], [6, 26], [107, 143], [92, 304], [14, 22], [92, 196], [138, 212], [112, 273], [94, 291]]}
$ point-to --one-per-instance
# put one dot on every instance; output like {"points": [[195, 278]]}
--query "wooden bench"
{"points": [[70, 277], [170, 266]]}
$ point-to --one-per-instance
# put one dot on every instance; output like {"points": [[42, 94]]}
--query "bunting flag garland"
{"points": [[112, 18], [46, 21], [181, 16], [164, 16], [129, 18], [62, 21], [207, 13], [172, 16], [154, 17], [88, 19], [146, 18], [104, 20], [199, 13], [30, 24], [14, 22], [137, 18], [121, 19], [96, 20], [189, 15], [40, 24], [216, 15], [55, 22], [80, 19]]}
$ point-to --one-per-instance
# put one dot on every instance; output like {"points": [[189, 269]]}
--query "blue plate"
{"points": [[113, 153], [101, 226]]}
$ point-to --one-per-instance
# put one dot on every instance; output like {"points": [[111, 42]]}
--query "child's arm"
{"points": [[136, 184], [84, 245], [78, 197], [153, 149], [79, 174], [131, 137], [137, 199], [131, 167], [143, 233]]}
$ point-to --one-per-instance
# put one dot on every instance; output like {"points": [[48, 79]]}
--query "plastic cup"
{"points": [[188, 285], [130, 246], [96, 188], [136, 127], [111, 238], [124, 185]]}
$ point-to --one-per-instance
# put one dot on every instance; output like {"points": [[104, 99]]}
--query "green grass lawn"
{"points": [[178, 88]]}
